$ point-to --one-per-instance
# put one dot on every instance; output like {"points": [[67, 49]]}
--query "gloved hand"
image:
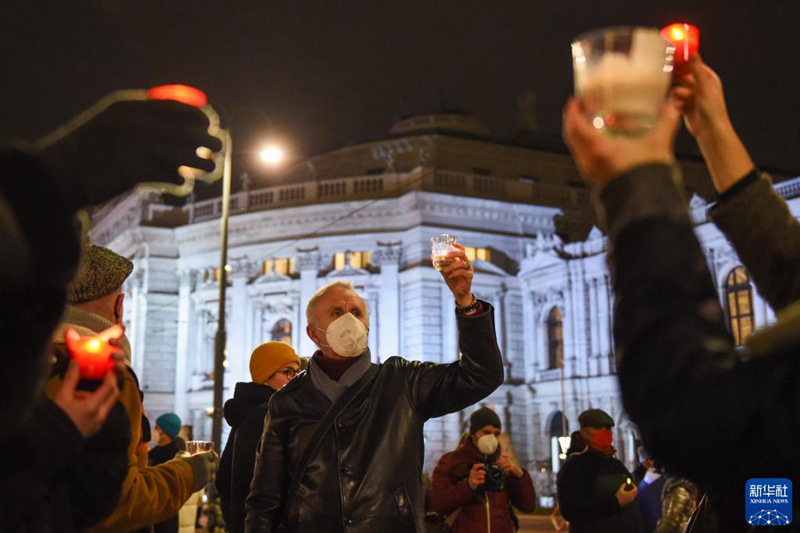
{"points": [[204, 466], [109, 149]]}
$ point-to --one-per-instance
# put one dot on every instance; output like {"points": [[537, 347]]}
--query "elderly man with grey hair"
{"points": [[343, 446]]}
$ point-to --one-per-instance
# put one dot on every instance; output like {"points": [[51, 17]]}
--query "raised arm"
{"points": [[682, 381], [752, 216]]}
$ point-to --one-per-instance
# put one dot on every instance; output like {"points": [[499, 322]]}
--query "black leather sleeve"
{"points": [[439, 389]]}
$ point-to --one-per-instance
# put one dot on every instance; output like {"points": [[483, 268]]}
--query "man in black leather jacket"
{"points": [[366, 473], [683, 382]]}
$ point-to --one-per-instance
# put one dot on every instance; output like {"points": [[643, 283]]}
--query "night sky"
{"points": [[331, 74]]}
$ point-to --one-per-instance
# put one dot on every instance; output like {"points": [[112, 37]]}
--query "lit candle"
{"points": [[179, 93], [685, 38], [93, 353]]}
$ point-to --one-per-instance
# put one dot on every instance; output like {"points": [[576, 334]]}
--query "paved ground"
{"points": [[537, 524]]}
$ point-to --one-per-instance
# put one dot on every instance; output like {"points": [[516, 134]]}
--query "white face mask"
{"points": [[347, 336], [487, 444]]}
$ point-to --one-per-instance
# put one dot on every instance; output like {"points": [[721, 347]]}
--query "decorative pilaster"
{"points": [[388, 257], [309, 263], [187, 284]]}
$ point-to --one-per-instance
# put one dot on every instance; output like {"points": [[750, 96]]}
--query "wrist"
{"points": [[465, 301]]}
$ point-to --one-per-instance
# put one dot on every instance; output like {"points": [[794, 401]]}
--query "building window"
{"points": [[739, 304], [283, 266], [282, 331], [356, 260], [478, 253], [555, 339]]}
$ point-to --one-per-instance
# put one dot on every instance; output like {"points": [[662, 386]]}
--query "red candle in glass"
{"points": [[685, 38], [179, 93], [93, 353]]}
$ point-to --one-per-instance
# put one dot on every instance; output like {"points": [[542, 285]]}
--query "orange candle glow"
{"points": [[93, 354], [685, 38], [179, 93]]}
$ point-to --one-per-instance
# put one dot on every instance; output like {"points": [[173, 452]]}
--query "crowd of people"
{"points": [[335, 442]]}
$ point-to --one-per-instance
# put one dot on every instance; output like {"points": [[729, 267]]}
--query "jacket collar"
{"points": [[334, 389]]}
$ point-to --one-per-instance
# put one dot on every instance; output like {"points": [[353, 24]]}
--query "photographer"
{"points": [[476, 484]]}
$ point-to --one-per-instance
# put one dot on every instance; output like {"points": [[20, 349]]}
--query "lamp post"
{"points": [[220, 340]]}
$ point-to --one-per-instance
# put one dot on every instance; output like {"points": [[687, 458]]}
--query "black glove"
{"points": [[105, 152]]}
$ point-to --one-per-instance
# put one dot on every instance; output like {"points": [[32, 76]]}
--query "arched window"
{"points": [[555, 338], [739, 305], [282, 331]]}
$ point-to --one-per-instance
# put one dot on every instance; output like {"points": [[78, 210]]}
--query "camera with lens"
{"points": [[495, 478]]}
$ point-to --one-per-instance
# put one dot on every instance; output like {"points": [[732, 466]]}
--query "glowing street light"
{"points": [[271, 155]]}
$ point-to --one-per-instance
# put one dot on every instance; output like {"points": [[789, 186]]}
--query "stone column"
{"points": [[138, 323], [450, 351], [530, 331], [186, 320], [605, 324], [388, 258], [308, 262], [238, 355]]}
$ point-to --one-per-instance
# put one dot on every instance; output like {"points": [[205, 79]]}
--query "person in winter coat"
{"points": [[168, 426], [459, 481], [364, 472], [272, 365], [595, 491], [166, 431], [152, 494], [683, 380], [97, 156]]}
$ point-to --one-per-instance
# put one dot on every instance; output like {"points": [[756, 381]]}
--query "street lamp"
{"points": [[271, 154], [220, 340]]}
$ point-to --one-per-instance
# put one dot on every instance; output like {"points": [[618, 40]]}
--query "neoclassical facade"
{"points": [[366, 214]]}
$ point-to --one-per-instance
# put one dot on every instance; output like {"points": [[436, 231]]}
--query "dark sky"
{"points": [[330, 74]]}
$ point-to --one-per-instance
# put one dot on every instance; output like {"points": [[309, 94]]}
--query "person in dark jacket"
{"points": [[595, 491], [272, 365], [364, 475], [651, 486], [100, 154], [683, 381], [168, 426], [459, 481], [165, 433]]}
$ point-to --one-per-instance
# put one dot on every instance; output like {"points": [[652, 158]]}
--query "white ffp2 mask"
{"points": [[347, 336], [487, 444]]}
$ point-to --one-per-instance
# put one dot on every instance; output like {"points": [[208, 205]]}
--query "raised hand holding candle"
{"points": [[93, 353]]}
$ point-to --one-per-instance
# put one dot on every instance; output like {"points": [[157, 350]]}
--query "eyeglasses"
{"points": [[290, 373]]}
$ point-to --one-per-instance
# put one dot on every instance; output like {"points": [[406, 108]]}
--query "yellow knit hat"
{"points": [[269, 358]]}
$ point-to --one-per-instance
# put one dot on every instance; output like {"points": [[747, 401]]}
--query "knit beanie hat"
{"points": [[170, 424], [269, 358], [101, 272], [481, 418]]}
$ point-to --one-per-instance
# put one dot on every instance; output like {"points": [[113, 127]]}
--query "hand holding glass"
{"points": [[194, 447], [622, 75], [441, 245]]}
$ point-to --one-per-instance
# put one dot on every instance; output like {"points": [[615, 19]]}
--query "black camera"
{"points": [[495, 478]]}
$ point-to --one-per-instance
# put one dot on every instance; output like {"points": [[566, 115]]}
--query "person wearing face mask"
{"points": [[165, 434], [272, 365], [149, 494], [459, 491], [342, 449], [595, 490]]}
